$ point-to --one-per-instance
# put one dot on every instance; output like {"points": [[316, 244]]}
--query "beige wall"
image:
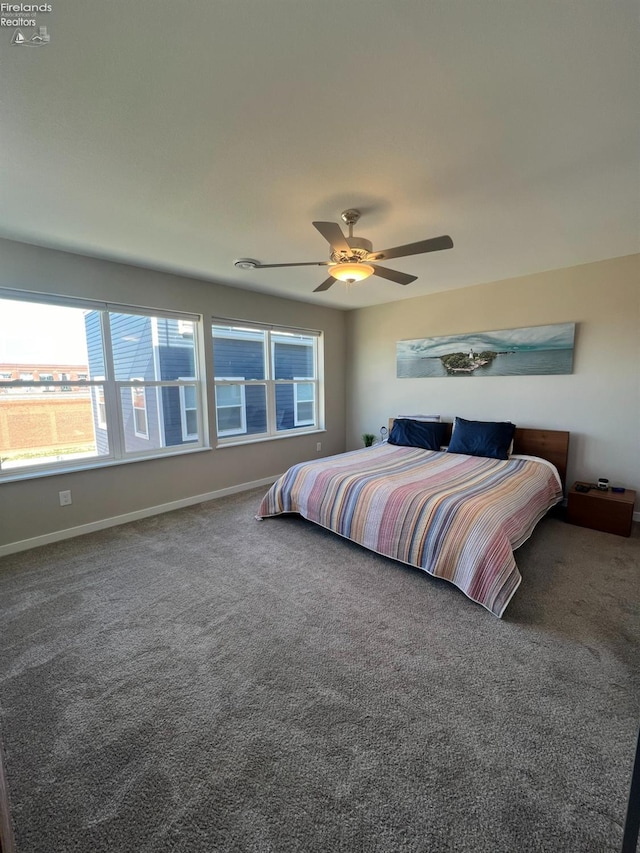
{"points": [[30, 508], [599, 402]]}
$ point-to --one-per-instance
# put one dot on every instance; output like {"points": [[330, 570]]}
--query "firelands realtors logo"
{"points": [[25, 27]]}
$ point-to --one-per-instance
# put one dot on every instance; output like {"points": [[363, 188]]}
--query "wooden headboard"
{"points": [[549, 444]]}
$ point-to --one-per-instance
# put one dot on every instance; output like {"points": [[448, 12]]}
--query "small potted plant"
{"points": [[368, 439]]}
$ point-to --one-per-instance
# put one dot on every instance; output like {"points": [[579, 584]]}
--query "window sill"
{"points": [[94, 465], [290, 434]]}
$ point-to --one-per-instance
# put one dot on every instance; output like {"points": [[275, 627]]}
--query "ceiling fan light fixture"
{"points": [[351, 272]]}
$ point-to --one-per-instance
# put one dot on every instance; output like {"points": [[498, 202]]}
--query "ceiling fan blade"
{"points": [[325, 284], [393, 275], [332, 233], [435, 244], [306, 264]]}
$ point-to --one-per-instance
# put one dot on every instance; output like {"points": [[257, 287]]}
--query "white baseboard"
{"points": [[80, 530]]}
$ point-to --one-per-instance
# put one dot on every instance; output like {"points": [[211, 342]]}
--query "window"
{"points": [[25, 377], [303, 404], [188, 409], [139, 403], [113, 374], [231, 407], [100, 412], [46, 377], [266, 381]]}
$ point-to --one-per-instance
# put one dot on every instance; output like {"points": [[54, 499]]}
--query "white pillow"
{"points": [[431, 418]]}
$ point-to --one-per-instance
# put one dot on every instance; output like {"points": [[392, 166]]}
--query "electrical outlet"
{"points": [[318, 447], [65, 498]]}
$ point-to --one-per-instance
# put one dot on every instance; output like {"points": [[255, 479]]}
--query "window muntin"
{"points": [[68, 349], [275, 387]]}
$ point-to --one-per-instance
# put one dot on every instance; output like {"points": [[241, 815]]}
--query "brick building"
{"points": [[38, 418], [14, 372]]}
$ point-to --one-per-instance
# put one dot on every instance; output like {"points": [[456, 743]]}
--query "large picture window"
{"points": [[114, 383], [266, 381]]}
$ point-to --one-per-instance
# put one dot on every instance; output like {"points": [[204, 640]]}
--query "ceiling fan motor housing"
{"points": [[360, 250]]}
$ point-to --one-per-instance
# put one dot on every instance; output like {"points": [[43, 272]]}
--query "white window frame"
{"points": [[112, 390], [136, 391], [101, 411], [298, 421], [242, 405], [186, 435], [270, 383]]}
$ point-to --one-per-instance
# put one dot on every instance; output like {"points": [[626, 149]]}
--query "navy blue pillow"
{"points": [[482, 438], [425, 434]]}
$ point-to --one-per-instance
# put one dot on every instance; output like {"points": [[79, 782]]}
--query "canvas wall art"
{"points": [[505, 352]]}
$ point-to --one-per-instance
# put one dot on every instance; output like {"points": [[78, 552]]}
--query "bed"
{"points": [[456, 516]]}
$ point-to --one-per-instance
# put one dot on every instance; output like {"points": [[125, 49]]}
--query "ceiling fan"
{"points": [[352, 258]]}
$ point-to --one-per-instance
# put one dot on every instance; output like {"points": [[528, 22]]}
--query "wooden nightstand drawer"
{"points": [[609, 511]]}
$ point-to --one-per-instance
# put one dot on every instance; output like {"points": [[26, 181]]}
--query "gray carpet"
{"points": [[201, 681]]}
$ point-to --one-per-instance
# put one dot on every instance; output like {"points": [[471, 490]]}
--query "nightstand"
{"points": [[609, 511]]}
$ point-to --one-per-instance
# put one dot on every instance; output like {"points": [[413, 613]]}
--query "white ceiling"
{"points": [[182, 136]]}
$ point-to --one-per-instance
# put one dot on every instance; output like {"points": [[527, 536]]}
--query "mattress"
{"points": [[454, 516]]}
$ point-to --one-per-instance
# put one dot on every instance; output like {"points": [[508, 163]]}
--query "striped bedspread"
{"points": [[457, 517]]}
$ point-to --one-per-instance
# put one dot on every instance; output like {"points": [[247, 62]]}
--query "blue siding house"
{"points": [[239, 354], [161, 349], [146, 349]]}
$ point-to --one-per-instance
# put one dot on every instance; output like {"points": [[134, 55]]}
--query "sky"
{"points": [[49, 334]]}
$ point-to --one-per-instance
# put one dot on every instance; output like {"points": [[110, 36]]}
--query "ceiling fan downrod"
{"points": [[350, 217]]}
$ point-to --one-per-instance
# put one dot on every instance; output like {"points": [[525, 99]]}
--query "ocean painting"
{"points": [[506, 352]]}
